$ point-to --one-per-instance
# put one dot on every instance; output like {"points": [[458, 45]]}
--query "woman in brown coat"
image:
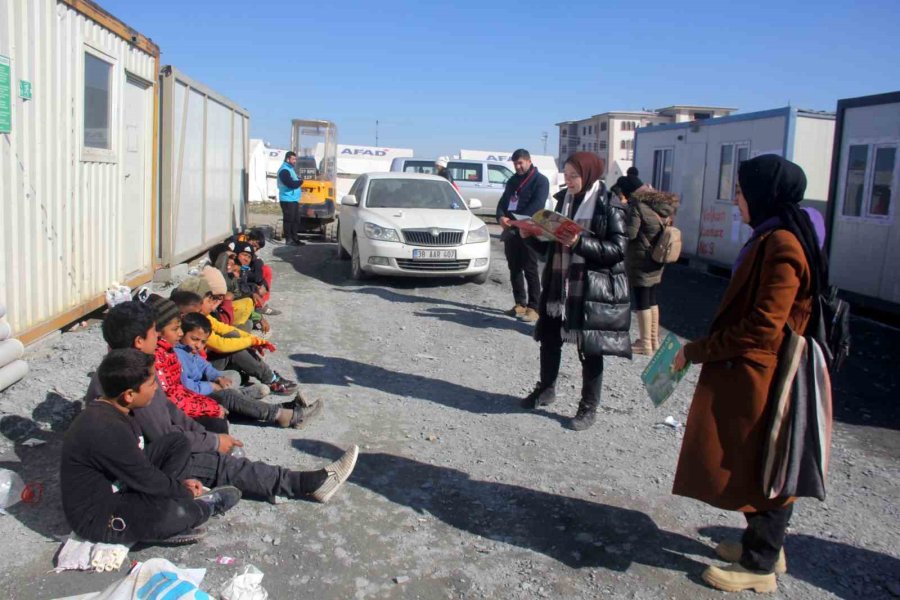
{"points": [[773, 282], [647, 211]]}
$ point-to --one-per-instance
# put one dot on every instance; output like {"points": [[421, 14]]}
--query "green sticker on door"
{"points": [[5, 96], [24, 89]]}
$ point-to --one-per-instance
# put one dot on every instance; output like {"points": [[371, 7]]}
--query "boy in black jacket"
{"points": [[114, 488]]}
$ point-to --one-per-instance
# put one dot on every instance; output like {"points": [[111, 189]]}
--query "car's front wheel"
{"points": [[356, 270], [342, 254], [481, 278]]}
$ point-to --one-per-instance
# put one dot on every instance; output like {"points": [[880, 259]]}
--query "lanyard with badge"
{"points": [[514, 200]]}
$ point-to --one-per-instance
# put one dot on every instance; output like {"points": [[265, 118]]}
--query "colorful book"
{"points": [[659, 379], [551, 224]]}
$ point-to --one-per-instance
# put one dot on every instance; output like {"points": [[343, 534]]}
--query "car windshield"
{"points": [[412, 193]]}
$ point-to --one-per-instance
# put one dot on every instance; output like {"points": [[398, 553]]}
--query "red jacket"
{"points": [[168, 371]]}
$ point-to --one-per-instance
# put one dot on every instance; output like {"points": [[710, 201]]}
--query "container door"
{"points": [[693, 172], [136, 226]]}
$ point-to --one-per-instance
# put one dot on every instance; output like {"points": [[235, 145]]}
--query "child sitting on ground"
{"points": [[225, 401], [116, 490], [132, 325], [199, 375], [229, 347]]}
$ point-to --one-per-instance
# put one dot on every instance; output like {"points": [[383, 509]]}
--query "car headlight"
{"points": [[377, 232], [478, 235]]}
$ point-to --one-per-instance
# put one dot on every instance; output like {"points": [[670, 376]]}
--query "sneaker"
{"points": [[516, 311], [732, 551], [540, 396], [304, 414], [301, 400], [220, 499], [735, 578], [530, 315], [191, 536], [336, 474], [282, 386], [269, 311]]}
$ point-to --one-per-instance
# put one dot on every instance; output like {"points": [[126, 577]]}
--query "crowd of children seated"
{"points": [[150, 459]]}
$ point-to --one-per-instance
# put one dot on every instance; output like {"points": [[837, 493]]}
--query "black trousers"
{"points": [[134, 517], [764, 538], [290, 213], [256, 479], [523, 268], [551, 357], [644, 297], [236, 402], [244, 361]]}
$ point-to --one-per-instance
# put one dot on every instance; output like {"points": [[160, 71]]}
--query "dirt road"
{"points": [[459, 493]]}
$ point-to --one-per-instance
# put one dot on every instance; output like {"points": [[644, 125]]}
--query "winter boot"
{"points": [[654, 328], [591, 388], [735, 578], [643, 344], [541, 395]]}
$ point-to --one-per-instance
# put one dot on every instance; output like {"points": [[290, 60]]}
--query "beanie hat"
{"points": [[441, 162], [244, 247], [216, 280], [197, 285], [164, 310]]}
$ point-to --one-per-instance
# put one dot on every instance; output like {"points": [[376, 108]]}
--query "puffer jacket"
{"points": [[643, 227], [607, 306]]}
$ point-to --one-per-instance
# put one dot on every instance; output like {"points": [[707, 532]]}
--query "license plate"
{"points": [[434, 254]]}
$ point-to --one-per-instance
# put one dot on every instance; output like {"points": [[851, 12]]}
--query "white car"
{"points": [[411, 225]]}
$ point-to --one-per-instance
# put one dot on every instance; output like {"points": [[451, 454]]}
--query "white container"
{"points": [[73, 216]]}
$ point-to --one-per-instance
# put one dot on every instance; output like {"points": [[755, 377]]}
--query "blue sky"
{"points": [[493, 76]]}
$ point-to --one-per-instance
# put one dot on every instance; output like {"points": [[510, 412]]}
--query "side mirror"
{"points": [[475, 204], [349, 200]]}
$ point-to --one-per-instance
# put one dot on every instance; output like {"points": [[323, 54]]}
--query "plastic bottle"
{"points": [[238, 452], [11, 488]]}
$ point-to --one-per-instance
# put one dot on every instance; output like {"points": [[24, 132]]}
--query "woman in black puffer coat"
{"points": [[585, 297]]}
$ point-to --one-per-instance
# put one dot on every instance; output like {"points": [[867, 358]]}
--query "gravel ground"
{"points": [[458, 492]]}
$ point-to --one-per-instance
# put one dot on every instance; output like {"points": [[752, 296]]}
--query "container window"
{"points": [[97, 102], [882, 181], [662, 169], [857, 160], [726, 172]]}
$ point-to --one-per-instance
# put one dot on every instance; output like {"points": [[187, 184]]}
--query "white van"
{"points": [[481, 179]]}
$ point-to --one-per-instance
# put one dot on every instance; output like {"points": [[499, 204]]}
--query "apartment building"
{"points": [[610, 135]]}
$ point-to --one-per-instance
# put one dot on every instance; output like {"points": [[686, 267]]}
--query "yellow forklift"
{"points": [[315, 143]]}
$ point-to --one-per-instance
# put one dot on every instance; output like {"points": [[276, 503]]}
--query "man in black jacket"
{"points": [[526, 193]]}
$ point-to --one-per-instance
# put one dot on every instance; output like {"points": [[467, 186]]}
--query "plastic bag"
{"points": [[117, 294], [156, 578], [11, 488], [245, 586]]}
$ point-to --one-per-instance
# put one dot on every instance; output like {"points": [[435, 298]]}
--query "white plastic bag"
{"points": [[156, 578], [117, 294], [246, 586], [11, 488]]}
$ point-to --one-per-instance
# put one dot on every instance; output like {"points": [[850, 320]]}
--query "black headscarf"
{"points": [[774, 187]]}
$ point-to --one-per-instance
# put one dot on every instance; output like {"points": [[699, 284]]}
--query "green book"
{"points": [[658, 378]]}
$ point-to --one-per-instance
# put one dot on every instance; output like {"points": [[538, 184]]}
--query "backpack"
{"points": [[831, 327], [666, 248]]}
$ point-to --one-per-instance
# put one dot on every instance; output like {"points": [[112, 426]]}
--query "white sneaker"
{"points": [[337, 473]]}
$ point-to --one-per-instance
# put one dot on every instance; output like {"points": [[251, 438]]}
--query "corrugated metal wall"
{"points": [[204, 148], [61, 215]]}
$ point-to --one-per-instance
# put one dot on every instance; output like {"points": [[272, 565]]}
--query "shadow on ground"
{"points": [[864, 390], [344, 372], [845, 571], [39, 465], [574, 532]]}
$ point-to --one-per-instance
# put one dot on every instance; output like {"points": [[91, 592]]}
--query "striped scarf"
{"points": [[565, 294]]}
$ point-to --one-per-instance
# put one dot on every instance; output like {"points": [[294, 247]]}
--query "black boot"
{"points": [[591, 389], [541, 395]]}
